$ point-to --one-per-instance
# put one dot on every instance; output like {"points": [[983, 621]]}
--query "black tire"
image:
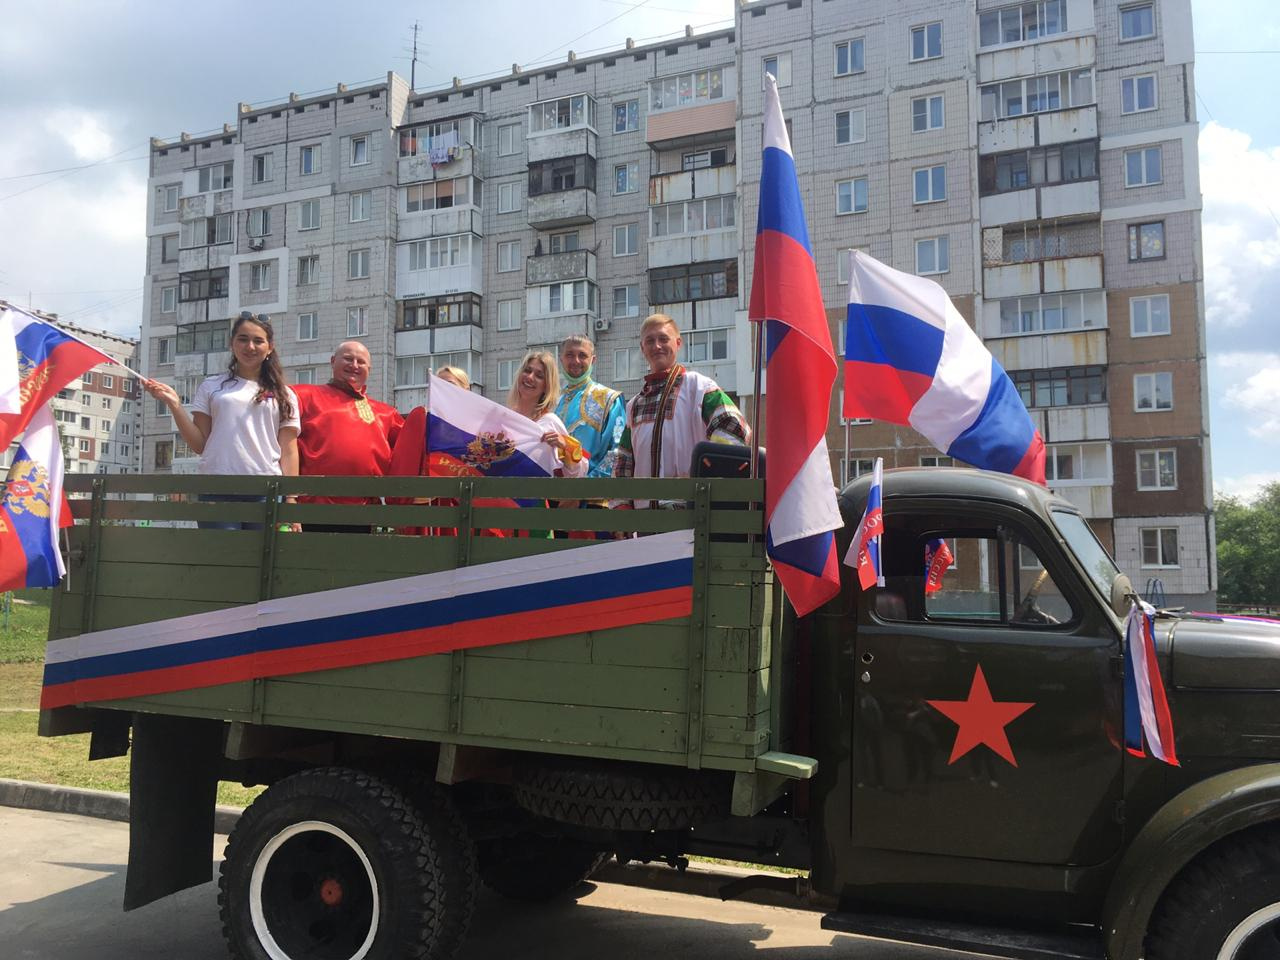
{"points": [[535, 868], [634, 797], [456, 853], [1231, 892], [315, 859]]}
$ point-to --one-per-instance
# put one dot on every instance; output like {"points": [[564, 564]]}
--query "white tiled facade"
{"points": [[503, 215]]}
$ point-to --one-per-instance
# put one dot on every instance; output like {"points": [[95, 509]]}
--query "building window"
{"points": [[857, 467], [693, 216], [1077, 464], [1052, 91], [564, 242], [358, 265], [215, 177], [1061, 386], [309, 218], [703, 159], [687, 89], [203, 285], [779, 67], [626, 240], [438, 194], [169, 198], [1022, 22], [104, 448], [508, 314], [444, 137], [1138, 94], [849, 57], [626, 363], [626, 116], [566, 173], [357, 321], [360, 204], [1146, 241], [566, 113], [851, 196], [304, 375], [1137, 22], [308, 271], [851, 126], [933, 255], [695, 281], [1149, 316], [933, 460], [440, 311], [706, 346], [1157, 469], [452, 251], [86, 423], [307, 160], [509, 256], [508, 139], [1037, 167], [168, 299], [164, 350], [106, 403], [164, 454], [1152, 392], [206, 231], [260, 222], [1142, 167], [84, 446], [575, 295], [508, 197], [930, 184], [927, 114], [926, 41], [86, 399], [169, 248], [308, 329], [359, 151], [261, 167], [626, 178], [1052, 312], [626, 301], [259, 277], [1159, 546], [506, 373]]}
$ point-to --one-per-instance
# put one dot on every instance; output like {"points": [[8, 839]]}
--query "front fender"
{"points": [[1195, 819]]}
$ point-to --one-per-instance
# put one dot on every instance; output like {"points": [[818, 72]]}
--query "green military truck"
{"points": [[430, 713]]}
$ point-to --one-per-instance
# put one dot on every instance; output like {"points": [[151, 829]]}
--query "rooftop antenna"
{"points": [[413, 66]]}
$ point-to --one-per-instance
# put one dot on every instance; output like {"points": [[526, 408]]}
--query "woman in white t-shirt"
{"points": [[243, 421]]}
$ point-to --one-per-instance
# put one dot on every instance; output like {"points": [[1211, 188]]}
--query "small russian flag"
{"points": [[864, 551], [1146, 707]]}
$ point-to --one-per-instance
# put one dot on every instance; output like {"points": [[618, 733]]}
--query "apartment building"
{"points": [[1037, 159], [98, 415]]}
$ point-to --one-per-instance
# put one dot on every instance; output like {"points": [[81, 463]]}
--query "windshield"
{"points": [[1093, 556]]}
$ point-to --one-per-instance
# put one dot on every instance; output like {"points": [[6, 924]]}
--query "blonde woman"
{"points": [[455, 375], [534, 393]]}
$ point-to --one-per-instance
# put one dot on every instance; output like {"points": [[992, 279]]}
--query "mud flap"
{"points": [[173, 785]]}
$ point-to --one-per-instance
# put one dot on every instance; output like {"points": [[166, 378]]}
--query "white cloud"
{"points": [[1246, 487], [1247, 363], [83, 133], [1258, 396], [1241, 187]]}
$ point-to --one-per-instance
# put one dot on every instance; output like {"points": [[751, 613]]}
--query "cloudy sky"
{"points": [[89, 83]]}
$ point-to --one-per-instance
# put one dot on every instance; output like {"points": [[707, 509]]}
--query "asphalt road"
{"points": [[62, 881]]}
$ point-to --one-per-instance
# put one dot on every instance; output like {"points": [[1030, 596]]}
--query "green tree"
{"points": [[1249, 547]]}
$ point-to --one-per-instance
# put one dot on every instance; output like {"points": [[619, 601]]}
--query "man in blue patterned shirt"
{"points": [[593, 413]]}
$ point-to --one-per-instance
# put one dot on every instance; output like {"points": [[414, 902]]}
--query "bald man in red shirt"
{"points": [[349, 434]]}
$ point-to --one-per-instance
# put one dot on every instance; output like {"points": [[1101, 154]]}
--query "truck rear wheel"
{"points": [[1224, 906], [330, 864], [535, 868]]}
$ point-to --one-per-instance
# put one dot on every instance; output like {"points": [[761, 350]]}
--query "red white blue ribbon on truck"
{"points": [[1146, 708], [801, 512], [593, 587]]}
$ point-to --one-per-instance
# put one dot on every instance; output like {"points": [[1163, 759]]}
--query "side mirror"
{"points": [[1121, 591]]}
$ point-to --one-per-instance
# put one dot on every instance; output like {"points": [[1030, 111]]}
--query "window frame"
{"points": [[263, 226], [630, 115], [853, 183], [632, 234], [1135, 82], [849, 46], [514, 314], [628, 310], [361, 256], [365, 203], [303, 207], [512, 132], [513, 249], [927, 100], [930, 182], [169, 299], [362, 140], [260, 276], [314, 324], [1153, 378], [923, 30], [176, 190], [1131, 8], [261, 163], [357, 321], [307, 154], [1135, 231], [1148, 300], [1156, 453], [1162, 562], [630, 181], [848, 114], [308, 270], [1142, 153], [941, 243]]}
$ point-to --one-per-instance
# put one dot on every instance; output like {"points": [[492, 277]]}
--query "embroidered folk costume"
{"points": [[594, 415], [347, 435]]}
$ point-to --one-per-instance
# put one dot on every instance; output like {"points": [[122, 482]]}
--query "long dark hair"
{"points": [[271, 381]]}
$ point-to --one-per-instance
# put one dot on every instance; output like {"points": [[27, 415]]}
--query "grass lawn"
{"points": [[64, 760]]}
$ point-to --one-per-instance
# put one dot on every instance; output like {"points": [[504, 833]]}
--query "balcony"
{"points": [[1052, 202], [691, 109], [560, 309], [687, 184], [1069, 348], [454, 338], [440, 223], [1037, 258], [560, 267], [567, 208], [564, 127], [1039, 129]]}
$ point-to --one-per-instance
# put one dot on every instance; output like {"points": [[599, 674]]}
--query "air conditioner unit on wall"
{"points": [[256, 244], [600, 324]]}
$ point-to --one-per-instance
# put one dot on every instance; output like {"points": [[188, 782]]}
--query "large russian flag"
{"points": [[30, 505], [911, 359], [800, 498], [469, 435], [46, 360]]}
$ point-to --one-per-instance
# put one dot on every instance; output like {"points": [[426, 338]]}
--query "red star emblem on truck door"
{"points": [[980, 719]]}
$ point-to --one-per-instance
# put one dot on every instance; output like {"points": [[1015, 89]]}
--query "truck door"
{"points": [[987, 702]]}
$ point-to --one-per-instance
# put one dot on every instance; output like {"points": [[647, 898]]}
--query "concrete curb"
{"points": [[102, 804], [698, 880]]}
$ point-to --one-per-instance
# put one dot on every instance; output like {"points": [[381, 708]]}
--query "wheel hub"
{"points": [[331, 891]]}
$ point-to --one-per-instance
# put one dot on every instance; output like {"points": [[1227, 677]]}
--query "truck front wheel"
{"points": [[1224, 906], [330, 864]]}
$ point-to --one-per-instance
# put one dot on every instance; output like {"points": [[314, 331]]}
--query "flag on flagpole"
{"points": [[44, 361], [864, 550], [30, 505], [801, 513], [911, 359], [1146, 706]]}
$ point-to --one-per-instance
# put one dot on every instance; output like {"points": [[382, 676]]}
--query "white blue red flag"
{"points": [[471, 436], [1146, 707], [864, 550], [937, 559], [44, 360], [911, 359], [30, 506], [801, 512]]}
